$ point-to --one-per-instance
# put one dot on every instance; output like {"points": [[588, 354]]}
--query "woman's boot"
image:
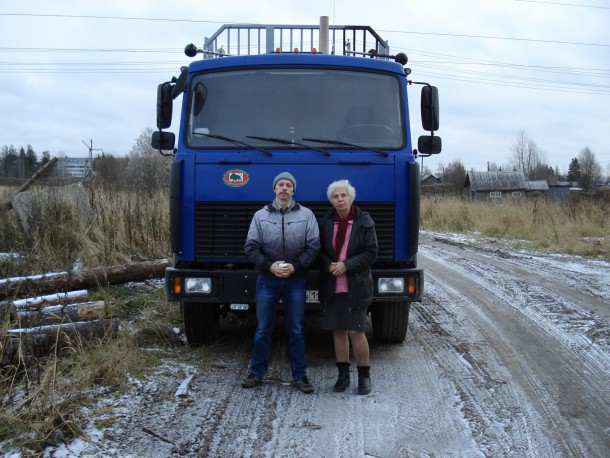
{"points": [[343, 379], [364, 380]]}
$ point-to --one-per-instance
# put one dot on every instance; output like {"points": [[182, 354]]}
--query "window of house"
{"points": [[495, 194], [516, 194]]}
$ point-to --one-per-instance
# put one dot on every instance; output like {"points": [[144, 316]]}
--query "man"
{"points": [[283, 241]]}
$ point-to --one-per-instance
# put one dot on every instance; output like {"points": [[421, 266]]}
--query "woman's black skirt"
{"points": [[341, 315]]}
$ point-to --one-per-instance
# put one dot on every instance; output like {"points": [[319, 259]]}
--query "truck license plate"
{"points": [[312, 296]]}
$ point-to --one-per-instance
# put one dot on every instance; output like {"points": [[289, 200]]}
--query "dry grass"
{"points": [[115, 228], [579, 228], [42, 398]]}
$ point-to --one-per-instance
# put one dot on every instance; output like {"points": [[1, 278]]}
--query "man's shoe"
{"points": [[303, 385], [251, 381]]}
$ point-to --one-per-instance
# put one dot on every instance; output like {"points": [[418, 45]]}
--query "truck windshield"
{"points": [[362, 108]]}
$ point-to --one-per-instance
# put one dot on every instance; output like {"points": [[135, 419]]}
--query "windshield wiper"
{"points": [[232, 140], [288, 142], [339, 142]]}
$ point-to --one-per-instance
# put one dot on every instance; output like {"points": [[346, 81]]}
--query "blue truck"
{"points": [[324, 102]]}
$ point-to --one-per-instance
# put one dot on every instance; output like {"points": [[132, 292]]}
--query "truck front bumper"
{"points": [[239, 286]]}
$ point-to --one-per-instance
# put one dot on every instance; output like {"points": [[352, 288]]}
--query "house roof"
{"points": [[496, 181], [429, 178], [537, 185]]}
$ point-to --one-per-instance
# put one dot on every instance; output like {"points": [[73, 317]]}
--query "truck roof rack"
{"points": [[246, 39]]}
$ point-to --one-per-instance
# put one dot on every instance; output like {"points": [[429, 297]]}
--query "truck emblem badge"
{"points": [[235, 178]]}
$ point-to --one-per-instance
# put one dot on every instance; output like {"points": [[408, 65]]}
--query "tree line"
{"points": [[143, 168], [21, 162], [527, 157]]}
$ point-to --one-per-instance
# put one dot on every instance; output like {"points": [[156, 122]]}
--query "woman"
{"points": [[348, 247]]}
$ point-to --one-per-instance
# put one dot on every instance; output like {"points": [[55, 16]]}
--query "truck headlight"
{"points": [[198, 285], [391, 285]]}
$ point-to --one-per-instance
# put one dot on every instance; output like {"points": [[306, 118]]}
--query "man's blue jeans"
{"points": [[269, 290]]}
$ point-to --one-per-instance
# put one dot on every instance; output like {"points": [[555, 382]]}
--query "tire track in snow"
{"points": [[566, 384]]}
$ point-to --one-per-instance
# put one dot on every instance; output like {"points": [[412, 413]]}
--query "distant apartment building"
{"points": [[73, 167]]}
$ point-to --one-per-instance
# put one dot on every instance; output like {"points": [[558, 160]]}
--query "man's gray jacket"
{"points": [[292, 236]]}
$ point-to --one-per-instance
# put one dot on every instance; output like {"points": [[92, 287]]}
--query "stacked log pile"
{"points": [[56, 322], [37, 325]]}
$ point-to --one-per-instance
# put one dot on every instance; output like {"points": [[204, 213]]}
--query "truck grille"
{"points": [[221, 227]]}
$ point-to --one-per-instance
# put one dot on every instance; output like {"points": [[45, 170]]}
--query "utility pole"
{"points": [[90, 161], [91, 150]]}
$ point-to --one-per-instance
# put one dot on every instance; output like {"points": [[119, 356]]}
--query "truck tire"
{"points": [[390, 321], [201, 322]]}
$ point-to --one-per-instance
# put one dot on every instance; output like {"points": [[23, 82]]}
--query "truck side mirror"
{"points": [[163, 140], [429, 144], [429, 108], [164, 105]]}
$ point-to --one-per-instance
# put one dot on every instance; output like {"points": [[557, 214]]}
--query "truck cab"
{"points": [[265, 100]]}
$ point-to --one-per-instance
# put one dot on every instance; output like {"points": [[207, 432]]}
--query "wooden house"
{"points": [[429, 179], [495, 185]]}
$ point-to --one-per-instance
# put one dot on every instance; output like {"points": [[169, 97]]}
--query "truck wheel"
{"points": [[390, 321], [201, 322]]}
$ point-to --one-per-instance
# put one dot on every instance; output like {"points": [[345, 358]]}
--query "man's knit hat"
{"points": [[285, 176]]}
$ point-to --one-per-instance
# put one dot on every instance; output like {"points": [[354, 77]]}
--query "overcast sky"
{"points": [[75, 72]]}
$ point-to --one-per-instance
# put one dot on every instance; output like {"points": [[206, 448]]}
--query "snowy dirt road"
{"points": [[507, 355]]}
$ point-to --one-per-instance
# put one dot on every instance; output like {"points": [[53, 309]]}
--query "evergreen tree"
{"points": [[574, 170], [589, 169], [31, 161], [9, 161], [46, 157]]}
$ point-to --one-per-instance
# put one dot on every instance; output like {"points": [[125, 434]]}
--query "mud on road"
{"points": [[508, 354]]}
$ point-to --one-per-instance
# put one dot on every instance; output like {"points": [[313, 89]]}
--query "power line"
{"points": [[565, 4], [95, 50], [197, 21], [459, 60], [122, 18], [514, 84], [447, 68], [489, 37]]}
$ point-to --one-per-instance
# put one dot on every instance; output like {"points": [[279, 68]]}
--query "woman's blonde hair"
{"points": [[351, 191]]}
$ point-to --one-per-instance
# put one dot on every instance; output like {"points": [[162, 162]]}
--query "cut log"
{"points": [[43, 340], [57, 314], [69, 281], [36, 303]]}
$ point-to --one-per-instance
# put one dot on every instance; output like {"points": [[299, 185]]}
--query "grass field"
{"points": [[580, 228]]}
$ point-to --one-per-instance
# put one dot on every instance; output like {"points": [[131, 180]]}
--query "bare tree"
{"points": [[147, 168], [526, 155], [454, 176], [110, 171], [590, 170]]}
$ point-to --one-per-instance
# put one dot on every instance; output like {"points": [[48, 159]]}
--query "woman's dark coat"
{"points": [[361, 252]]}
